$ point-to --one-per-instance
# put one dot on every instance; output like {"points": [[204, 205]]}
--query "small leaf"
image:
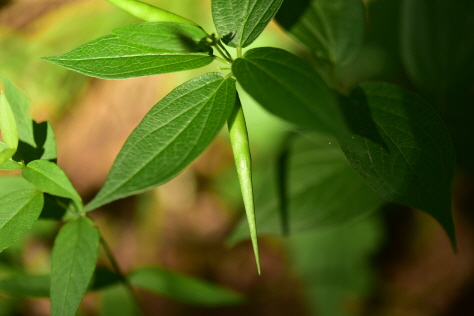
{"points": [[183, 288], [73, 261], [110, 57], [332, 29], [175, 131], [402, 149], [50, 178], [18, 212], [37, 140], [239, 22], [5, 153], [239, 140], [172, 36], [289, 88], [24, 285], [8, 123]]}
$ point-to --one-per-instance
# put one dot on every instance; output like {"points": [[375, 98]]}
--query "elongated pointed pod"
{"points": [[240, 146], [149, 13]]}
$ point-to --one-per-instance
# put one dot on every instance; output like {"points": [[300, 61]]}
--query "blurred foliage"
{"points": [[423, 45]]}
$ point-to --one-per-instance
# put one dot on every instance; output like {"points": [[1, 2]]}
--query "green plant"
{"points": [[395, 142]]}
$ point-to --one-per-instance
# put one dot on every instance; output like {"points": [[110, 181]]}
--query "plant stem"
{"points": [[225, 61], [240, 146], [239, 52], [228, 61], [117, 270], [219, 44]]}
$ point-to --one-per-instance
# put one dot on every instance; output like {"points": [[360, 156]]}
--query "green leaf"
{"points": [[5, 154], [50, 178], [239, 140], [110, 57], [318, 184], [9, 184], [178, 37], [37, 140], [239, 22], [332, 29], [183, 288], [18, 212], [289, 88], [24, 285], [8, 123], [73, 261], [175, 131], [402, 149]]}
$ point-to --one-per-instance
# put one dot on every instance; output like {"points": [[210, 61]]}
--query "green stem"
{"points": [[240, 146], [226, 52], [228, 61], [117, 269], [225, 61], [239, 52], [148, 12]]}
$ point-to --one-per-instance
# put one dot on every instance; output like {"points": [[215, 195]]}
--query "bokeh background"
{"points": [[396, 261]]}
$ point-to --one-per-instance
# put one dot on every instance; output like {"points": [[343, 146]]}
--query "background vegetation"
{"points": [[397, 261]]}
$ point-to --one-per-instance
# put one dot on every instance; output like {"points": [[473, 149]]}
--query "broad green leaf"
{"points": [[175, 131], [335, 266], [183, 288], [178, 37], [24, 285], [10, 164], [50, 178], [319, 182], [73, 261], [37, 140], [289, 88], [401, 149], [110, 57], [9, 184], [332, 29], [116, 300], [8, 123], [240, 22], [18, 212]]}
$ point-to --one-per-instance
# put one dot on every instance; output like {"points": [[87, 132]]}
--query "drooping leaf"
{"points": [[289, 88], [183, 288], [25, 285], [18, 212], [331, 29], [175, 131], [178, 37], [239, 22], [319, 182], [50, 178], [110, 57], [402, 149], [73, 261], [37, 140]]}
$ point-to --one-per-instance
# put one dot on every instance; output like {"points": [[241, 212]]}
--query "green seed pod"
{"points": [[240, 146], [149, 13]]}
